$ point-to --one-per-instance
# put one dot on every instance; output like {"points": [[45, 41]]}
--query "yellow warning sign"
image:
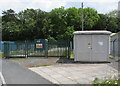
{"points": [[39, 46], [89, 43]]}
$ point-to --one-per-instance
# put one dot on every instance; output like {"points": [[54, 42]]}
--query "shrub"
{"points": [[108, 82]]}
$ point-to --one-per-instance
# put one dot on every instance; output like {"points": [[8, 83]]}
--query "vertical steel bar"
{"points": [[82, 17]]}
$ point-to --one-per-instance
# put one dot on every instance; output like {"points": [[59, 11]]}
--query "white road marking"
{"points": [[2, 78]]}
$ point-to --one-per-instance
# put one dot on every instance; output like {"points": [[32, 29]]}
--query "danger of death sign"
{"points": [[39, 45]]}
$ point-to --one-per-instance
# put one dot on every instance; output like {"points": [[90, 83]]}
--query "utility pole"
{"points": [[82, 17]]}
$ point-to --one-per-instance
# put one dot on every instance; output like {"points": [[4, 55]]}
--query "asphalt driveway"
{"points": [[15, 74]]}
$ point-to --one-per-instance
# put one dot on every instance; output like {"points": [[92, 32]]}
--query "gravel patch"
{"points": [[35, 62]]}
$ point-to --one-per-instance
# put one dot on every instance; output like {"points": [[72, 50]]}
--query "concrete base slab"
{"points": [[76, 73]]}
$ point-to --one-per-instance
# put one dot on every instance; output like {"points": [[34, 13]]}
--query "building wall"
{"points": [[115, 45], [119, 44]]}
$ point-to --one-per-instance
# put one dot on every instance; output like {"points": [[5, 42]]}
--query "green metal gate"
{"points": [[37, 48]]}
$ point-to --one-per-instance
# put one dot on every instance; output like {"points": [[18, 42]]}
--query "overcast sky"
{"points": [[102, 6]]}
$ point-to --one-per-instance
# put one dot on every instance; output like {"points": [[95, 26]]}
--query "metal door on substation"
{"points": [[92, 47], [84, 49], [99, 47]]}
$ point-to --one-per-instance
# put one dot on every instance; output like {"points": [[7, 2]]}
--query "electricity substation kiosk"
{"points": [[91, 46]]}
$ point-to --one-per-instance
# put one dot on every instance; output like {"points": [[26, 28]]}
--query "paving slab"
{"points": [[75, 73]]}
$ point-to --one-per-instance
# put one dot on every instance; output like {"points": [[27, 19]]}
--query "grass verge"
{"points": [[1, 54], [71, 55], [30, 66], [107, 82]]}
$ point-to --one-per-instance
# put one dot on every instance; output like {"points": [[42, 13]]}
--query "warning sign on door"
{"points": [[39, 46], [89, 44]]}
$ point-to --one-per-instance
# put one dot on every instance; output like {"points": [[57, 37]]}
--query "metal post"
{"points": [[82, 17], [46, 47], [6, 49], [26, 51], [106, 23], [68, 44]]}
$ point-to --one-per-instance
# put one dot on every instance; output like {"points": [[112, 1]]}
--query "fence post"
{"points": [[46, 48], [6, 49], [68, 44], [26, 49]]}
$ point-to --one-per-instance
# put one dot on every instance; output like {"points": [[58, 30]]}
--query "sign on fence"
{"points": [[39, 45]]}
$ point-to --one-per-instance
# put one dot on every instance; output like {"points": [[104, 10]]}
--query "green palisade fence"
{"points": [[37, 48]]}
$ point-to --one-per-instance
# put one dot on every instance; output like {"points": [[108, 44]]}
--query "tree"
{"points": [[101, 23], [43, 25], [8, 15], [9, 25], [57, 17], [113, 21], [68, 35], [33, 22], [113, 13], [73, 18], [58, 24], [110, 22], [63, 20], [91, 17]]}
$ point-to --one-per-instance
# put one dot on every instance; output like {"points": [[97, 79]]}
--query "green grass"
{"points": [[16, 58], [71, 55], [114, 58], [30, 66], [1, 54], [23, 58], [17, 52], [108, 82], [40, 53]]}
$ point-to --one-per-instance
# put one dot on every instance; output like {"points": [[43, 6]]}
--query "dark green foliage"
{"points": [[58, 24], [109, 22], [109, 82], [102, 22]]}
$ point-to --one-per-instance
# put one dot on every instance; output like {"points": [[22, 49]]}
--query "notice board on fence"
{"points": [[40, 45]]}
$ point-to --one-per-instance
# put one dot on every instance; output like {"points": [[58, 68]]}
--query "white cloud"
{"points": [[101, 1], [88, 0], [47, 5], [13, 4], [19, 5], [103, 7]]}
